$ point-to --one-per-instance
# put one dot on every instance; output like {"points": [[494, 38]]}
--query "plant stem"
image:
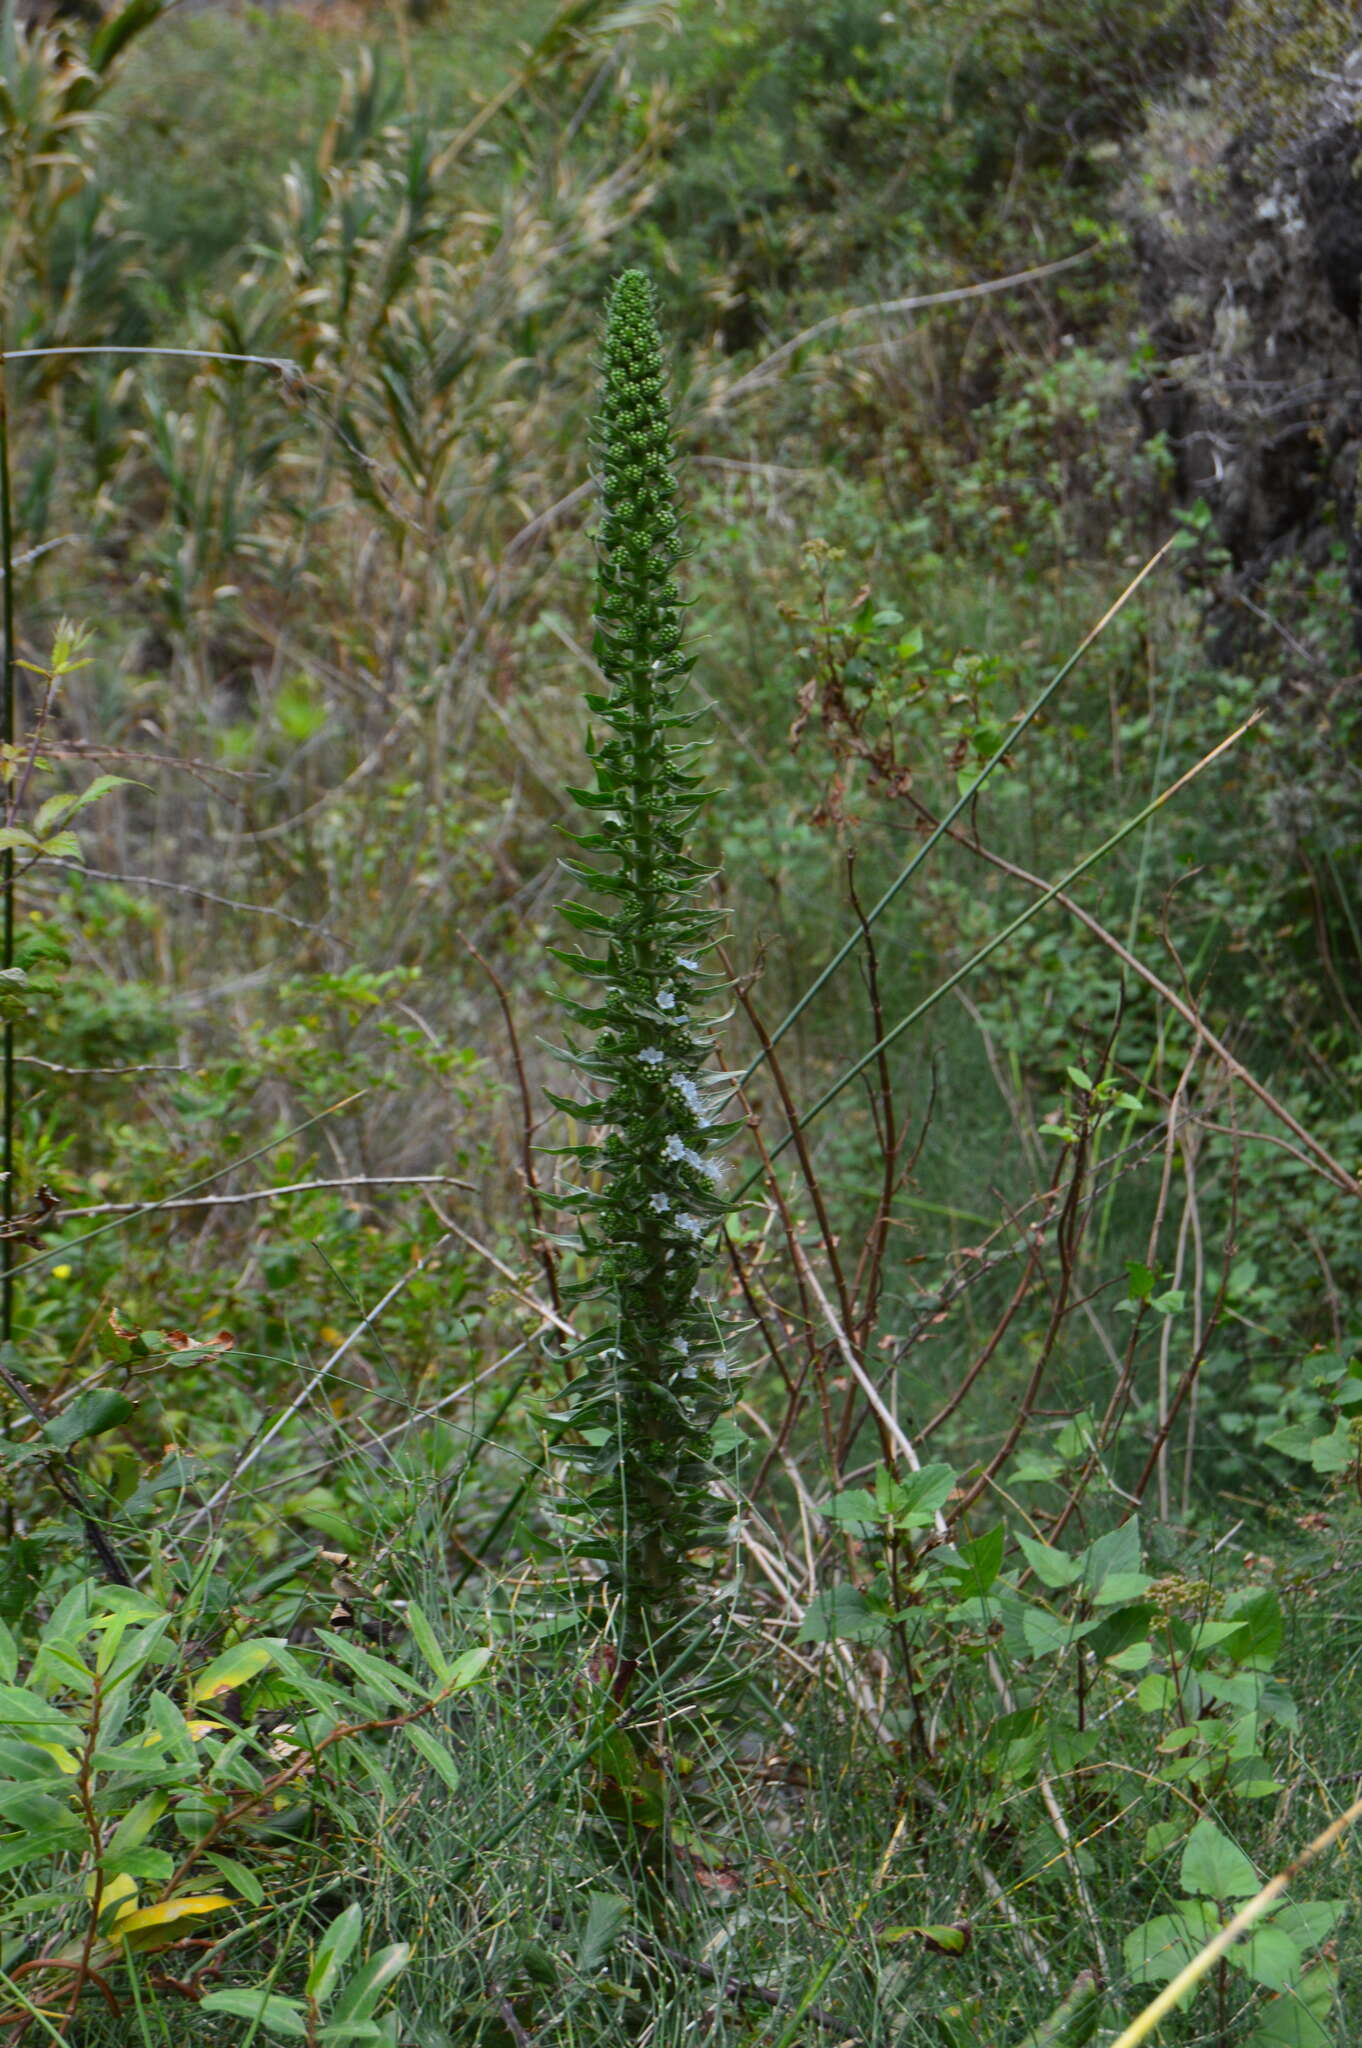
{"points": [[7, 870]]}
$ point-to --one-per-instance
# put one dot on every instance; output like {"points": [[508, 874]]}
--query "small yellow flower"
{"points": [[329, 1334], [61, 1272]]}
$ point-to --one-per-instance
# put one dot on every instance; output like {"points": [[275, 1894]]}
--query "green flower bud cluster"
{"points": [[651, 1374]]}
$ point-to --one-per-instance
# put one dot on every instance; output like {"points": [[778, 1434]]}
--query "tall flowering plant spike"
{"points": [[651, 1373]]}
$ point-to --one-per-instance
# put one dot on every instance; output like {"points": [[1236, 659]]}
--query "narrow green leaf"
{"points": [[434, 1752], [285, 2018], [424, 1637]]}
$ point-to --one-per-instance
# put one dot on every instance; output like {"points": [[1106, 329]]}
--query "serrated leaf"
{"points": [[976, 1564], [920, 1495], [1046, 1634]]}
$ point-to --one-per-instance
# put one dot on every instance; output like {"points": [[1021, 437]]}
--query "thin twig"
{"points": [[296, 1187], [202, 895], [762, 372]]}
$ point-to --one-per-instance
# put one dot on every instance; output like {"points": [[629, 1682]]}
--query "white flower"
{"points": [[682, 960], [683, 1347], [690, 1095], [691, 1226], [666, 999], [660, 1203], [675, 1148], [651, 1056]]}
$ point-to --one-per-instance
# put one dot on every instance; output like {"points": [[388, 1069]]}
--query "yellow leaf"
{"points": [[156, 1926], [118, 1898], [65, 1760], [233, 1668]]}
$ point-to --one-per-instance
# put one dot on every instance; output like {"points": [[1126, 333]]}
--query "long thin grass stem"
{"points": [[1001, 938], [7, 1111], [939, 831]]}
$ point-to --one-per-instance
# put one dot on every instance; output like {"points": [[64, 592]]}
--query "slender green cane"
{"points": [[991, 946], [968, 796], [7, 872]]}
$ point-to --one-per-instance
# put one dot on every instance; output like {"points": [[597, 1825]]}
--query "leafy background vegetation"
{"points": [[1032, 1649]]}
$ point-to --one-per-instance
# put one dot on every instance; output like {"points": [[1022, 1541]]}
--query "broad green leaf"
{"points": [[1289, 2022], [137, 1824], [922, 1494], [1118, 1551], [1258, 1630], [1269, 1957], [841, 1613], [1295, 1440], [1054, 1568], [1310, 1923], [88, 1415], [1156, 1694], [1120, 1586], [149, 1866], [30, 1715], [1120, 1634], [1156, 1952], [854, 1509], [976, 1564], [1335, 1452], [59, 1839], [1046, 1634], [1214, 1867]]}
